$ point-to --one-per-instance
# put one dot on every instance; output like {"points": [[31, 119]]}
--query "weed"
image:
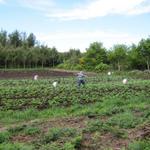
{"points": [[139, 145], [4, 136], [125, 120], [32, 130]]}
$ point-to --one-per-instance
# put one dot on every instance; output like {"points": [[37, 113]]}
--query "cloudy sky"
{"points": [[69, 24]]}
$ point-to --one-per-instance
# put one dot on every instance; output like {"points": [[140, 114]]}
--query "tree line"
{"points": [[19, 50]]}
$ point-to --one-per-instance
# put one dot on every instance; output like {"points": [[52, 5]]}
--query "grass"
{"points": [[139, 145], [75, 118]]}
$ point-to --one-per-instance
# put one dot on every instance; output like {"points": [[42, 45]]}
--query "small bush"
{"points": [[32, 130], [68, 146], [57, 133], [139, 145], [53, 146], [17, 129], [125, 120], [117, 132], [4, 136], [94, 126], [15, 146], [77, 142], [101, 67]]}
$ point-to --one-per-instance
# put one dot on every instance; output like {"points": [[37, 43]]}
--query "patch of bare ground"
{"points": [[101, 141], [21, 74], [23, 138], [90, 141], [45, 125], [93, 142], [74, 122], [141, 132]]}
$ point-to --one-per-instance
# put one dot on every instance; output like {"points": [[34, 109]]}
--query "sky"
{"points": [[67, 24]]}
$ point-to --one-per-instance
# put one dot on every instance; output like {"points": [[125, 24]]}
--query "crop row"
{"points": [[44, 96]]}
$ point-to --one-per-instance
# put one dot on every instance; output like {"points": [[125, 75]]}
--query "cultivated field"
{"points": [[104, 115]]}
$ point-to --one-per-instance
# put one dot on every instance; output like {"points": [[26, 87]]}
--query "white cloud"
{"points": [[2, 1], [89, 9], [43, 5], [99, 8], [64, 41]]}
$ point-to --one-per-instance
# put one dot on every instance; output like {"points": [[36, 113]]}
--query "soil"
{"points": [[12, 74], [90, 141], [47, 73]]}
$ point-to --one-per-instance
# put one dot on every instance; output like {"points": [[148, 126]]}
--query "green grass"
{"points": [[109, 108], [139, 145], [15, 146]]}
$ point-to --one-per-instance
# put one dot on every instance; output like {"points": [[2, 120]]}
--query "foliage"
{"points": [[139, 145], [31, 130], [101, 67], [94, 55], [15, 146], [68, 118], [56, 133], [118, 55], [125, 120], [22, 50], [144, 48], [4, 137]]}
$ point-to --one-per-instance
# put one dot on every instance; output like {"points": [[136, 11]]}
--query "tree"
{"points": [[24, 40], [95, 55], [43, 55], [3, 38], [15, 39], [31, 40], [54, 56], [134, 58], [118, 55], [144, 47]]}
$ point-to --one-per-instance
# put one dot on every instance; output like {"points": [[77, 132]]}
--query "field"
{"points": [[104, 115]]}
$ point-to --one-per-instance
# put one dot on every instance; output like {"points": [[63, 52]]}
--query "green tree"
{"points": [[134, 58], [144, 47], [31, 40], [15, 39], [118, 55], [95, 55], [3, 38]]}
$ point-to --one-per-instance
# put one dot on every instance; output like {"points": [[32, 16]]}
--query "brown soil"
{"points": [[21, 74], [30, 74], [142, 132], [105, 140], [90, 141], [22, 138]]}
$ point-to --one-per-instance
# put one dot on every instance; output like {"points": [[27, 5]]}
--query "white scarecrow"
{"points": [[109, 73], [124, 81], [54, 84], [36, 77]]}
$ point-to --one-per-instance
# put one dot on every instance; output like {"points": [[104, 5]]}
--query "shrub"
{"points": [[101, 67], [94, 126], [17, 129], [139, 145], [32, 130], [4, 136], [77, 142], [125, 120], [57, 133], [52, 146], [15, 146], [68, 146]]}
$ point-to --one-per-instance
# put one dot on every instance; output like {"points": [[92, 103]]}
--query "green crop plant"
{"points": [[4, 136]]}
